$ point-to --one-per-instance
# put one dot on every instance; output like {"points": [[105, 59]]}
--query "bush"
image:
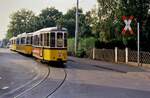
{"points": [[71, 44], [81, 53], [84, 45]]}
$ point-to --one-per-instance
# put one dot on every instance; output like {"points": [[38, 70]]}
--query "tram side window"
{"points": [[31, 40], [34, 40], [41, 40], [45, 39], [37, 40], [18, 41], [23, 40], [52, 39], [65, 39], [28, 40], [48, 41], [60, 39]]}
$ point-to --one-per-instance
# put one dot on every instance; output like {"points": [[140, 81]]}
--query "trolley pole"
{"points": [[77, 27], [138, 44]]}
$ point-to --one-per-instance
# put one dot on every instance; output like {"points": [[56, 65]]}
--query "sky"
{"points": [[7, 7]]}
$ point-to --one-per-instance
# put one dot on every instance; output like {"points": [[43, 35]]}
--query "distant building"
{"points": [[0, 44], [3, 43]]}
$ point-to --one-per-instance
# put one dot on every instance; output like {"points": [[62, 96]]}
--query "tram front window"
{"points": [[59, 39]]}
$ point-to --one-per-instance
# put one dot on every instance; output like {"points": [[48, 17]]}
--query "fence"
{"points": [[121, 55], [144, 57], [104, 54], [116, 55]]}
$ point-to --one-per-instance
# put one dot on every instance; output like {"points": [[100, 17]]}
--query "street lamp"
{"points": [[77, 27]]}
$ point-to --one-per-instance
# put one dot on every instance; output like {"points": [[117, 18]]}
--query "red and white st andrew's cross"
{"points": [[127, 24]]}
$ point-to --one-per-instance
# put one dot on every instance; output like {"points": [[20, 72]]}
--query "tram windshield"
{"points": [[59, 39]]}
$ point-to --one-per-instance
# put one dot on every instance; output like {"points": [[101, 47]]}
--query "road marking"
{"points": [[5, 87], [0, 78]]}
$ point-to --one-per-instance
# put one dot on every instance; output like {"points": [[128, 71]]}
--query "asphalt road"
{"points": [[25, 77]]}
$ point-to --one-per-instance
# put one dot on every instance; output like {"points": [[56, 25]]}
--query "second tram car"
{"points": [[24, 43], [50, 44], [13, 43]]}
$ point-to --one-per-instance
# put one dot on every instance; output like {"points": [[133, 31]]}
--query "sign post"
{"points": [[77, 27], [138, 44]]}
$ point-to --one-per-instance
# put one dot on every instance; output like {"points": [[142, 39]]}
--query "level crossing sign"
{"points": [[127, 22]]}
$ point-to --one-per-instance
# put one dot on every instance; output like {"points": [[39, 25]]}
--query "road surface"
{"points": [[26, 77]]}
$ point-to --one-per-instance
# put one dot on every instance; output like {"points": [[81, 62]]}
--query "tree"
{"points": [[21, 21], [102, 18], [70, 19], [139, 9], [49, 17]]}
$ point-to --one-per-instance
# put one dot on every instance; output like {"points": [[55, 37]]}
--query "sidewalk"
{"points": [[110, 66]]}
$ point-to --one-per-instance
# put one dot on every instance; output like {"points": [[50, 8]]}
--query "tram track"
{"points": [[34, 85], [42, 76], [59, 86], [46, 81]]}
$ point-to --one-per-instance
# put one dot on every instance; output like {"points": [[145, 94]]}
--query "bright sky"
{"points": [[7, 7]]}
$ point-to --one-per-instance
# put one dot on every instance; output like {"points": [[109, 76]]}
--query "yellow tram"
{"points": [[24, 43], [50, 44], [13, 43]]}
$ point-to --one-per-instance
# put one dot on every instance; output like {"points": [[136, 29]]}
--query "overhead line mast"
{"points": [[77, 27]]}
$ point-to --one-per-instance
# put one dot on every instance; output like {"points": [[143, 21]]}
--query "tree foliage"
{"points": [[104, 21], [26, 21], [21, 21], [70, 20], [49, 16]]}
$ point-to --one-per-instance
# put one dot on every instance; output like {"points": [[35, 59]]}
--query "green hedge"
{"points": [[84, 45]]}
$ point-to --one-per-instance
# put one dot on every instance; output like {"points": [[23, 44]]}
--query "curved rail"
{"points": [[35, 85], [58, 85]]}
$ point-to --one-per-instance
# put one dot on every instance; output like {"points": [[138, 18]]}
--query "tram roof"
{"points": [[45, 30], [21, 35], [29, 34], [25, 34], [53, 29], [12, 38]]}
